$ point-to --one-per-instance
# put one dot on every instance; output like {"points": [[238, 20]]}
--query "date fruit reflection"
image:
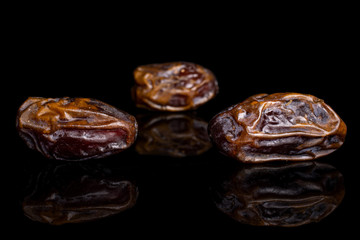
{"points": [[73, 193], [174, 135], [285, 195]]}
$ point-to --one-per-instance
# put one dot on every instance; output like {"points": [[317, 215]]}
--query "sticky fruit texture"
{"points": [[172, 134], [174, 86], [280, 126], [75, 128], [280, 194], [74, 193]]}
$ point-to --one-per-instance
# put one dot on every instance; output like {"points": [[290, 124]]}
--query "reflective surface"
{"points": [[74, 193], [176, 195], [177, 180], [285, 195], [172, 134]]}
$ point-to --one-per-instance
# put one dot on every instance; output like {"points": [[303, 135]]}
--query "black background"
{"points": [[56, 56]]}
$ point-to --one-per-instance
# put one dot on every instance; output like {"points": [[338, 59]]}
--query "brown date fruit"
{"points": [[172, 134], [283, 195], [280, 126], [75, 193], [75, 128], [174, 86]]}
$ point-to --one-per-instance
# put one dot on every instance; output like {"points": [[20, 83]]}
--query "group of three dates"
{"points": [[280, 126]]}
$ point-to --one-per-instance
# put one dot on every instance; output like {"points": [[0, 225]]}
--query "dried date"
{"points": [[280, 126], [284, 195], [174, 86], [75, 128]]}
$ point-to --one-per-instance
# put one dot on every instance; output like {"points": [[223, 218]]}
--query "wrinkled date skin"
{"points": [[70, 193], [75, 128], [174, 135], [280, 126], [284, 195], [175, 86]]}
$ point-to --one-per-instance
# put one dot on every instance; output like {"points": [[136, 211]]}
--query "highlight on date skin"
{"points": [[75, 128], [280, 126]]}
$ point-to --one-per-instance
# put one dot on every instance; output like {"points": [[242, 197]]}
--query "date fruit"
{"points": [[172, 134], [280, 194], [280, 126], [75, 193], [174, 86], [75, 128]]}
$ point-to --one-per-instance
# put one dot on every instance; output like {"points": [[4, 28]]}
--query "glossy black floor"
{"points": [[176, 196]]}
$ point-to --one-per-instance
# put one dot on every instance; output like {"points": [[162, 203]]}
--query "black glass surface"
{"points": [[182, 188]]}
